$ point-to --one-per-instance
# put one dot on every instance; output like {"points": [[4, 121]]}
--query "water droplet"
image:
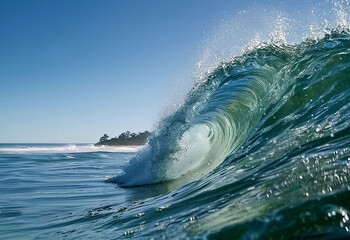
{"points": [[122, 209], [139, 215], [191, 219], [162, 208], [128, 233]]}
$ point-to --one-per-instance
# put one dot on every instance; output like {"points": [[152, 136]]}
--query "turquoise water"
{"points": [[258, 150]]}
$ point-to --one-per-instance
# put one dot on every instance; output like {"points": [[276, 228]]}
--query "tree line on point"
{"points": [[125, 139]]}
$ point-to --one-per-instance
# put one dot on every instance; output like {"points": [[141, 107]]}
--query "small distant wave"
{"points": [[69, 148]]}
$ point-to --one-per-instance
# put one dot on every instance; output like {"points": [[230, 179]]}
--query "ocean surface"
{"points": [[259, 149], [54, 191]]}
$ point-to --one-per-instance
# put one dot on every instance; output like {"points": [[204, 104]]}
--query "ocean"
{"points": [[259, 149], [51, 190]]}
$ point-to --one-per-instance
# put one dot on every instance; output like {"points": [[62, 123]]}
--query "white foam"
{"points": [[71, 148], [195, 145]]}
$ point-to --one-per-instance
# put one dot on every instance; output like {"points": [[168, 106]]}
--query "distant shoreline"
{"points": [[99, 144], [125, 139]]}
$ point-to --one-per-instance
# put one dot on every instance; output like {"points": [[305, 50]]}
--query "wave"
{"points": [[62, 148], [286, 95], [273, 99]]}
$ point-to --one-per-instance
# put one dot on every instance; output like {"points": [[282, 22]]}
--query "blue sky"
{"points": [[71, 71]]}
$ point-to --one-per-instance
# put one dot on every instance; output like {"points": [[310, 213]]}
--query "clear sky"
{"points": [[72, 70]]}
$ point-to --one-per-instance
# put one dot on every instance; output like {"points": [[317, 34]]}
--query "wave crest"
{"points": [[240, 96]]}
